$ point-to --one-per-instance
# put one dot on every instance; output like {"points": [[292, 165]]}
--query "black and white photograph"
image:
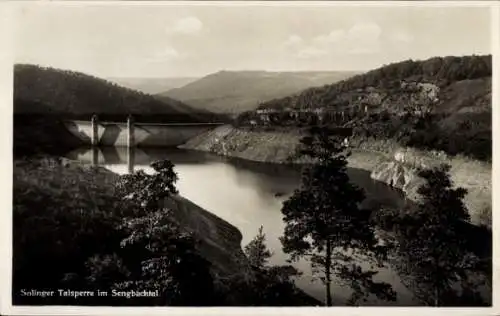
{"points": [[260, 154]]}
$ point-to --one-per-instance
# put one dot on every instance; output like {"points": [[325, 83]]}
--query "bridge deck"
{"points": [[150, 124]]}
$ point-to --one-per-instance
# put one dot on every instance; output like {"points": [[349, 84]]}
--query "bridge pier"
{"points": [[130, 159], [130, 132], [95, 156], [98, 133], [95, 130]]}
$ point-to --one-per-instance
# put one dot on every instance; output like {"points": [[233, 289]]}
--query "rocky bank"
{"points": [[387, 162]]}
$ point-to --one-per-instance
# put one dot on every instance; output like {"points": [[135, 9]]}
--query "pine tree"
{"points": [[324, 221], [271, 285], [432, 242], [257, 251]]}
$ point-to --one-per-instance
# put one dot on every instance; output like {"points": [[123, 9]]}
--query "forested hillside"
{"points": [[238, 91], [74, 94], [441, 71], [37, 134], [442, 103]]}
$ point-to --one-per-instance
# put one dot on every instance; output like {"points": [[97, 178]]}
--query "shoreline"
{"points": [[386, 161]]}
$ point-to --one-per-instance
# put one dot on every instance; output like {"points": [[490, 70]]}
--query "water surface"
{"points": [[248, 195]]}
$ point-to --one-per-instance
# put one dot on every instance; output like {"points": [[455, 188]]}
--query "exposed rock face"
{"points": [[401, 172], [399, 176], [411, 96]]}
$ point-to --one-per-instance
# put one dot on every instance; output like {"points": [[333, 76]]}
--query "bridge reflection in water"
{"points": [[134, 156], [107, 156]]}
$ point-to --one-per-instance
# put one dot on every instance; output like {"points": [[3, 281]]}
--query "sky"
{"points": [[138, 40]]}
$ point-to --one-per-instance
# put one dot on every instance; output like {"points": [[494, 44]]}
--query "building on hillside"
{"points": [[429, 91], [264, 115]]}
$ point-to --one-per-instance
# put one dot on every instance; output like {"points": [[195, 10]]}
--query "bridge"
{"points": [[141, 134], [133, 134]]}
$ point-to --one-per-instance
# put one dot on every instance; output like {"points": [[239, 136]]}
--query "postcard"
{"points": [[200, 156]]}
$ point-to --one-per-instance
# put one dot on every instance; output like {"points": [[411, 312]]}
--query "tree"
{"points": [[163, 254], [324, 221], [431, 241], [271, 285], [257, 251]]}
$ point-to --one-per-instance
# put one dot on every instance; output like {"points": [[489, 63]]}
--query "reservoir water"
{"points": [[248, 195]]}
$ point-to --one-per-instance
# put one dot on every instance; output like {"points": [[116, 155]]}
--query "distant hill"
{"points": [[153, 85], [239, 91], [73, 94], [441, 103]]}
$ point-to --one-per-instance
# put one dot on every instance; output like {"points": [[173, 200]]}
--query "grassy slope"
{"points": [[238, 91]]}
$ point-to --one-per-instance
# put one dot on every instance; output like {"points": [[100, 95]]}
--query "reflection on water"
{"points": [[247, 195]]}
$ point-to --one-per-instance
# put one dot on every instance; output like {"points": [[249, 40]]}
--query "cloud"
{"points": [[365, 32], [311, 52], [401, 36], [333, 37], [166, 54], [361, 38], [188, 25], [293, 41]]}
